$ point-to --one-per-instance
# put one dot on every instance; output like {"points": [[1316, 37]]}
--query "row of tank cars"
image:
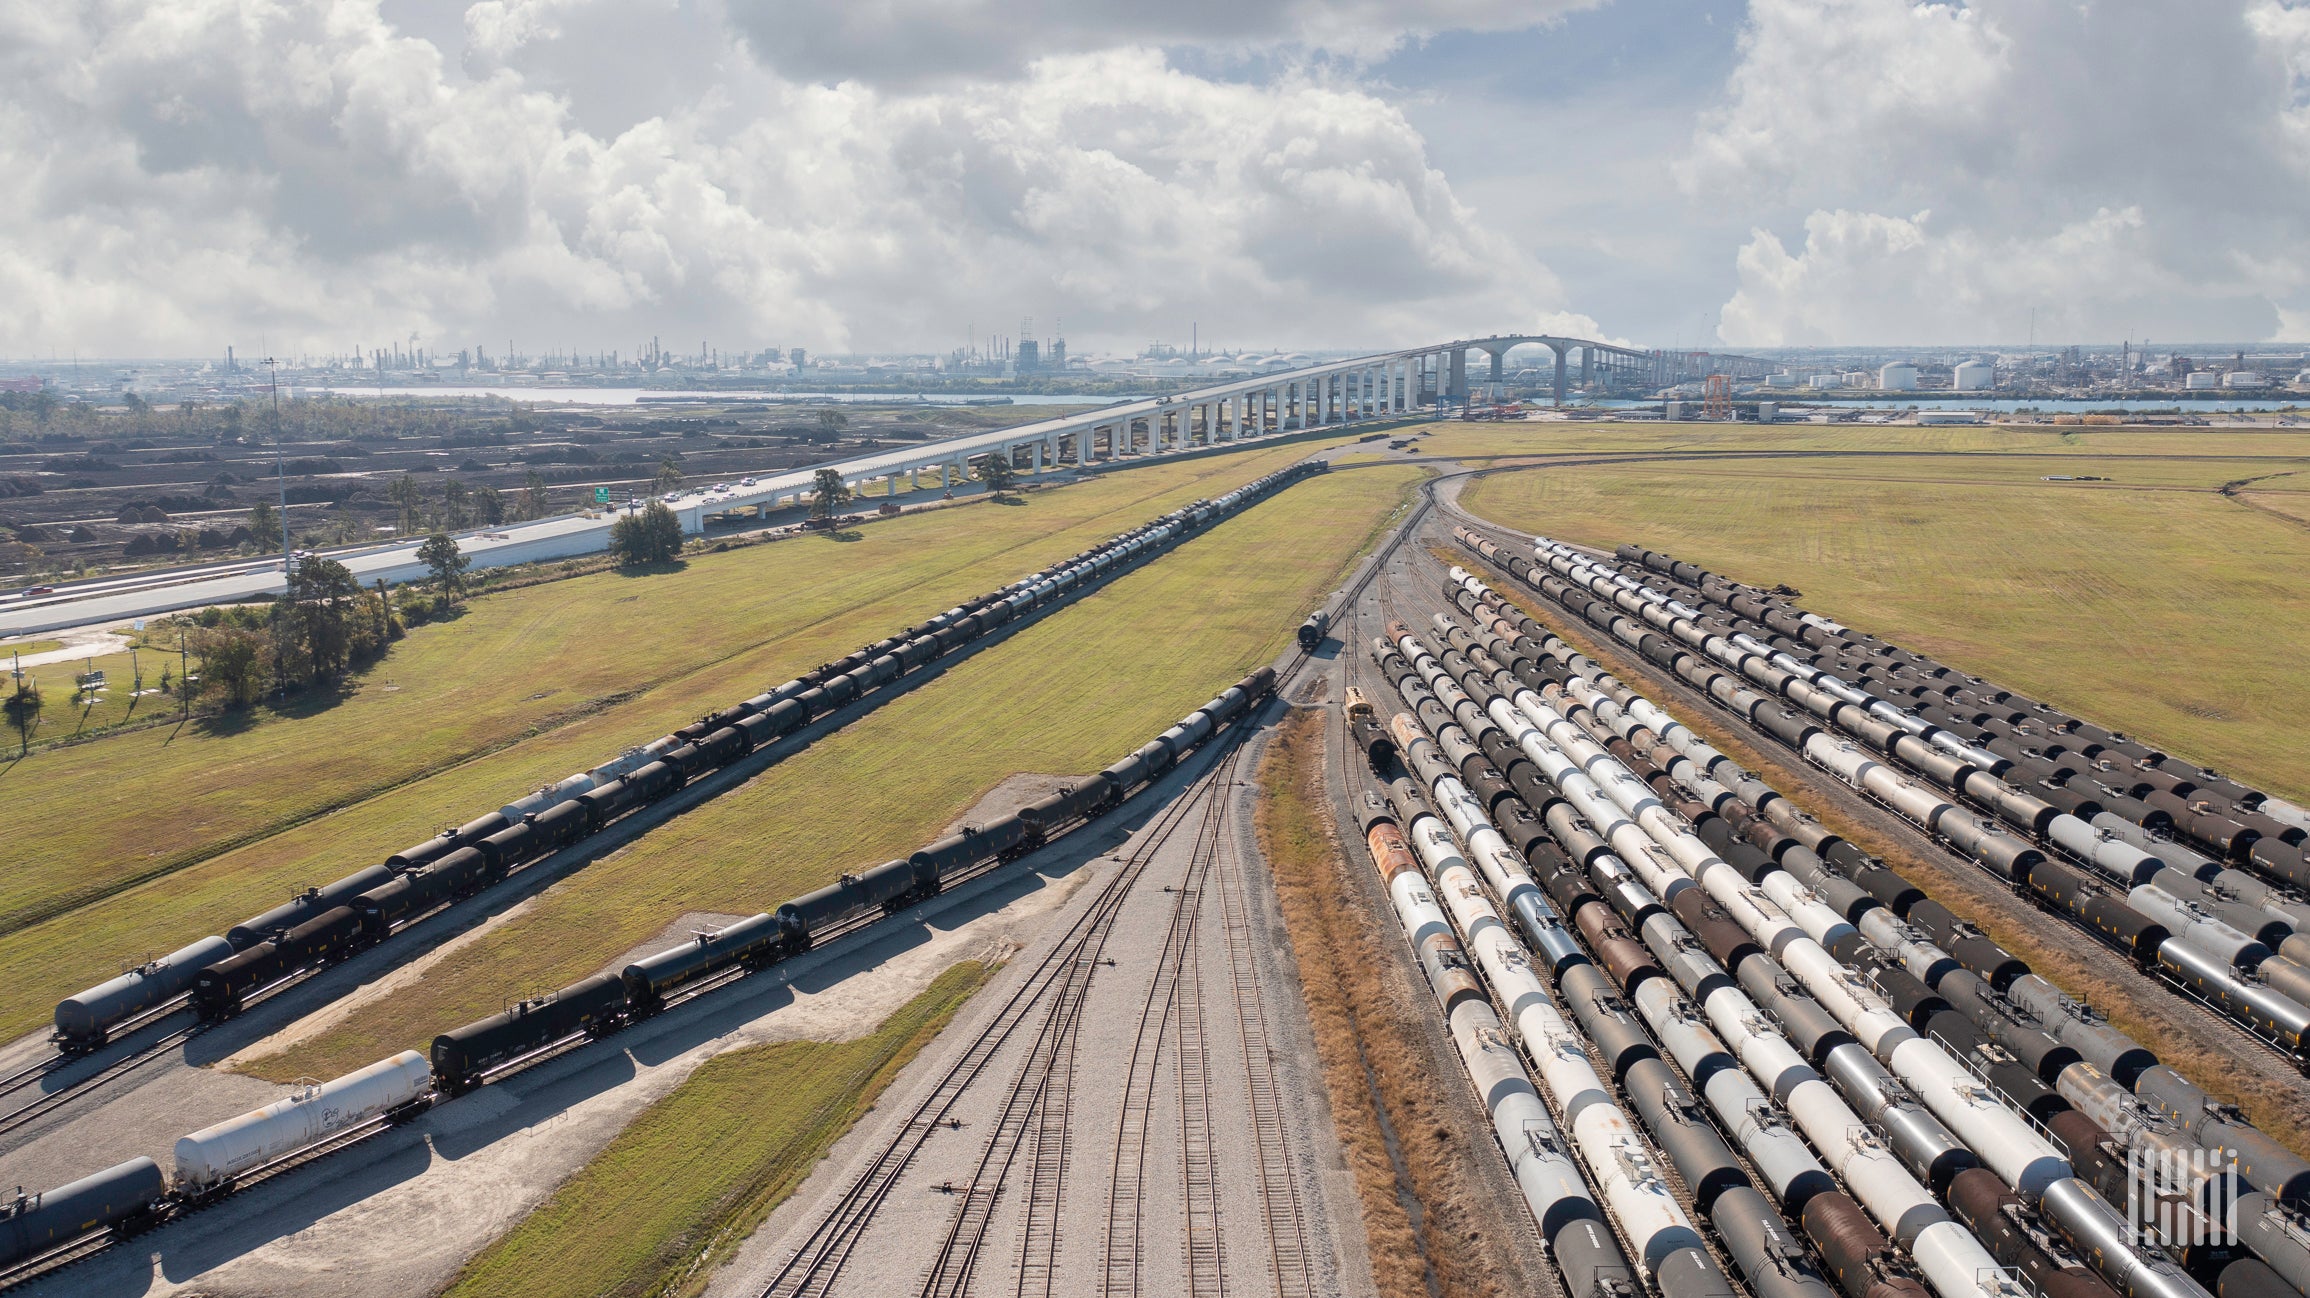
{"points": [[2075, 1119], [220, 974], [2188, 872], [323, 925], [209, 1163], [1746, 998]]}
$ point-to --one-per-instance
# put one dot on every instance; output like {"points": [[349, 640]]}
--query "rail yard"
{"points": [[1737, 950]]}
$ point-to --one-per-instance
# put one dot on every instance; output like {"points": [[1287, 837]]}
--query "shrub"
{"points": [[651, 537]]}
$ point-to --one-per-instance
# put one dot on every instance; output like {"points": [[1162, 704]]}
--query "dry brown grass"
{"points": [[2190, 1039], [1430, 1227]]}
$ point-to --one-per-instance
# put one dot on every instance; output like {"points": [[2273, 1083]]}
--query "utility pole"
{"points": [[183, 665], [280, 465]]}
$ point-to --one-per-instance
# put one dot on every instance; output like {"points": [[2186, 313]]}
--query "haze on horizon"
{"points": [[1287, 173]]}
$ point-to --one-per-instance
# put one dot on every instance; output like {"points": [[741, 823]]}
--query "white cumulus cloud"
{"points": [[187, 172], [2116, 167]]}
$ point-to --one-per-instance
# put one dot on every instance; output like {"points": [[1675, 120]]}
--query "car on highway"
{"points": [[745, 482], [671, 496], [30, 591]]}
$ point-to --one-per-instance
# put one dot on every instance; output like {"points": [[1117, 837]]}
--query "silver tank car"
{"points": [[210, 1158]]}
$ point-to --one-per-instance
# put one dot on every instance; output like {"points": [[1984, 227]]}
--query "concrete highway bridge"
{"points": [[1334, 393]]}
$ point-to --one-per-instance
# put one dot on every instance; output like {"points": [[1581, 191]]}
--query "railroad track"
{"points": [[121, 1067], [1281, 1208], [1039, 1102], [824, 1254], [1172, 1007]]}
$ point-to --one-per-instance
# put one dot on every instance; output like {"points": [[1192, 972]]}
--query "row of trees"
{"points": [[461, 507]]}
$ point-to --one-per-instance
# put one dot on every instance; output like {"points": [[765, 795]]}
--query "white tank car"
{"points": [[214, 1155]]}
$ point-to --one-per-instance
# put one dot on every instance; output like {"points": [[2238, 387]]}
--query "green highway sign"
{"points": [[601, 495]]}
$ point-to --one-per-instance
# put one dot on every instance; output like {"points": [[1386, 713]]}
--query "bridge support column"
{"points": [[1457, 390], [1560, 375]]}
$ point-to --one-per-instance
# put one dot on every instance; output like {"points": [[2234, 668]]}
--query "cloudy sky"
{"points": [[888, 174]]}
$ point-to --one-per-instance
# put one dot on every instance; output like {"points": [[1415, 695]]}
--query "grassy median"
{"points": [[2156, 602], [1069, 694], [690, 1179], [139, 843]]}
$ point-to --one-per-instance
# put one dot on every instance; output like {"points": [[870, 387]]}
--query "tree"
{"points": [[669, 475], [313, 620], [534, 503], [264, 524], [454, 499], [232, 665], [831, 422], [488, 506], [828, 493], [448, 563], [996, 471], [653, 536], [409, 496], [23, 708]]}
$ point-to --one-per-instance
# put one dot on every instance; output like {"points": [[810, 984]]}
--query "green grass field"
{"points": [[2152, 603], [692, 1177], [65, 713], [1071, 694], [138, 843]]}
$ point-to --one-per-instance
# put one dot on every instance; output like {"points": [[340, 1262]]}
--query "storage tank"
{"points": [[212, 1156], [1823, 381], [1899, 376], [2244, 379], [2201, 380], [1973, 376]]}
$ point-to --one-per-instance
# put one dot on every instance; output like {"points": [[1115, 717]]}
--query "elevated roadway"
{"points": [[1333, 393]]}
